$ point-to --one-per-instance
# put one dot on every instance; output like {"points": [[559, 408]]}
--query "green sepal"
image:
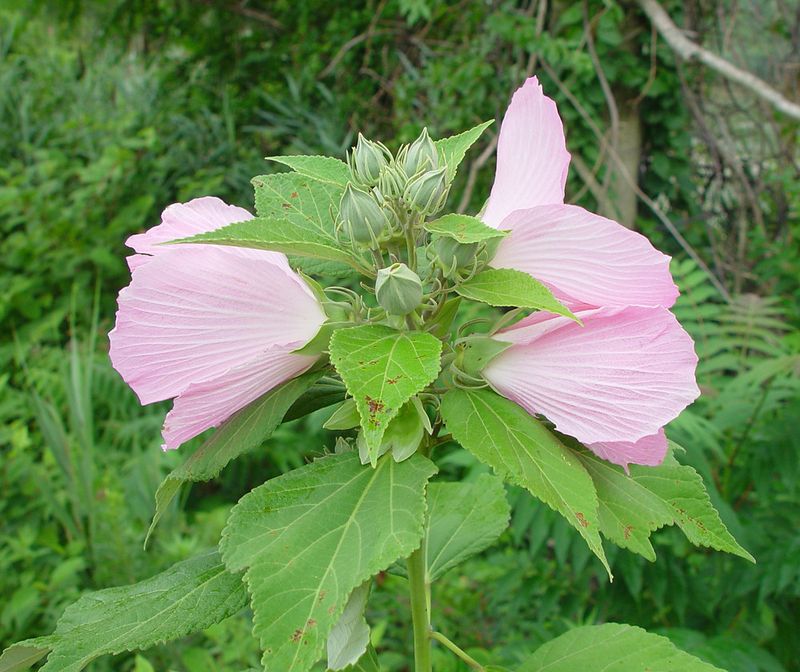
{"points": [[319, 344], [475, 352]]}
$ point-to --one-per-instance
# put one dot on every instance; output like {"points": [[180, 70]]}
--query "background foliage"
{"points": [[111, 110]]}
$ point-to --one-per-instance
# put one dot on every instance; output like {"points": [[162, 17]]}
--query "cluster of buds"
{"points": [[387, 193], [384, 207]]}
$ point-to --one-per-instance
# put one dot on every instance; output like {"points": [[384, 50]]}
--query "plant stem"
{"points": [[420, 616], [469, 660]]}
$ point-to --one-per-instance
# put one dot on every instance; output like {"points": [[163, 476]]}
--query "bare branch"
{"points": [[688, 50]]}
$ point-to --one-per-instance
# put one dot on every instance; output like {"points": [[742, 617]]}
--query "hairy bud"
{"points": [[453, 255], [367, 159], [364, 219], [392, 181], [398, 289], [421, 155], [427, 192]]}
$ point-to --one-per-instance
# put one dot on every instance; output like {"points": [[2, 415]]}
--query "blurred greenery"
{"points": [[111, 110]]}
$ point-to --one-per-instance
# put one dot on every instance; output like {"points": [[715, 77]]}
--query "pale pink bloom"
{"points": [[585, 259], [612, 383], [212, 326]]}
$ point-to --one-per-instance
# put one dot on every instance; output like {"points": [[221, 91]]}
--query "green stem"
{"points": [[420, 616], [469, 660]]}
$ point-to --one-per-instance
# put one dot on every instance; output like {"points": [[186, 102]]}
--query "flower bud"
{"points": [[421, 155], [392, 181], [427, 191], [367, 160], [363, 217], [398, 289], [453, 255]]}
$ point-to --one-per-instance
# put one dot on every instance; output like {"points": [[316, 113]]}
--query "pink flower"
{"points": [[213, 327], [612, 383], [585, 259]]}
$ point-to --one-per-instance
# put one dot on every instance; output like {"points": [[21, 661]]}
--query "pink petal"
{"points": [[621, 377], [532, 156], [650, 450], [191, 314], [585, 258], [181, 220], [204, 405]]}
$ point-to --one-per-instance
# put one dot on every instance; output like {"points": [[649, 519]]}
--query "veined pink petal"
{"points": [[585, 258], [181, 220], [532, 156], [621, 377], [650, 450], [204, 405], [193, 313]]}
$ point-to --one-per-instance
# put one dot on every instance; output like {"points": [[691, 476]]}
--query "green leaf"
{"points": [[23, 655], [463, 519], [612, 647], [632, 506], [344, 417], [322, 168], [522, 451], [325, 392], [310, 205], [382, 369], [349, 637], [308, 538], [243, 431], [509, 287], [368, 663], [277, 235], [454, 148], [188, 597], [463, 228], [296, 216]]}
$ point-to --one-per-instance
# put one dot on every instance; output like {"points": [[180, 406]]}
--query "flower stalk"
{"points": [[420, 610]]}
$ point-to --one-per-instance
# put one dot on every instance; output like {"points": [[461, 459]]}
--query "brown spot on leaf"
{"points": [[393, 381], [296, 635], [294, 194], [311, 623], [286, 206], [322, 594], [627, 531], [582, 519], [331, 609], [375, 406]]}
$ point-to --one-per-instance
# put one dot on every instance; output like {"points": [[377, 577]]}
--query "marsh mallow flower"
{"points": [[585, 259], [616, 380], [612, 383], [212, 327]]}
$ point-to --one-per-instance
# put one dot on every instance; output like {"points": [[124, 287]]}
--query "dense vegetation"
{"points": [[111, 110]]}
